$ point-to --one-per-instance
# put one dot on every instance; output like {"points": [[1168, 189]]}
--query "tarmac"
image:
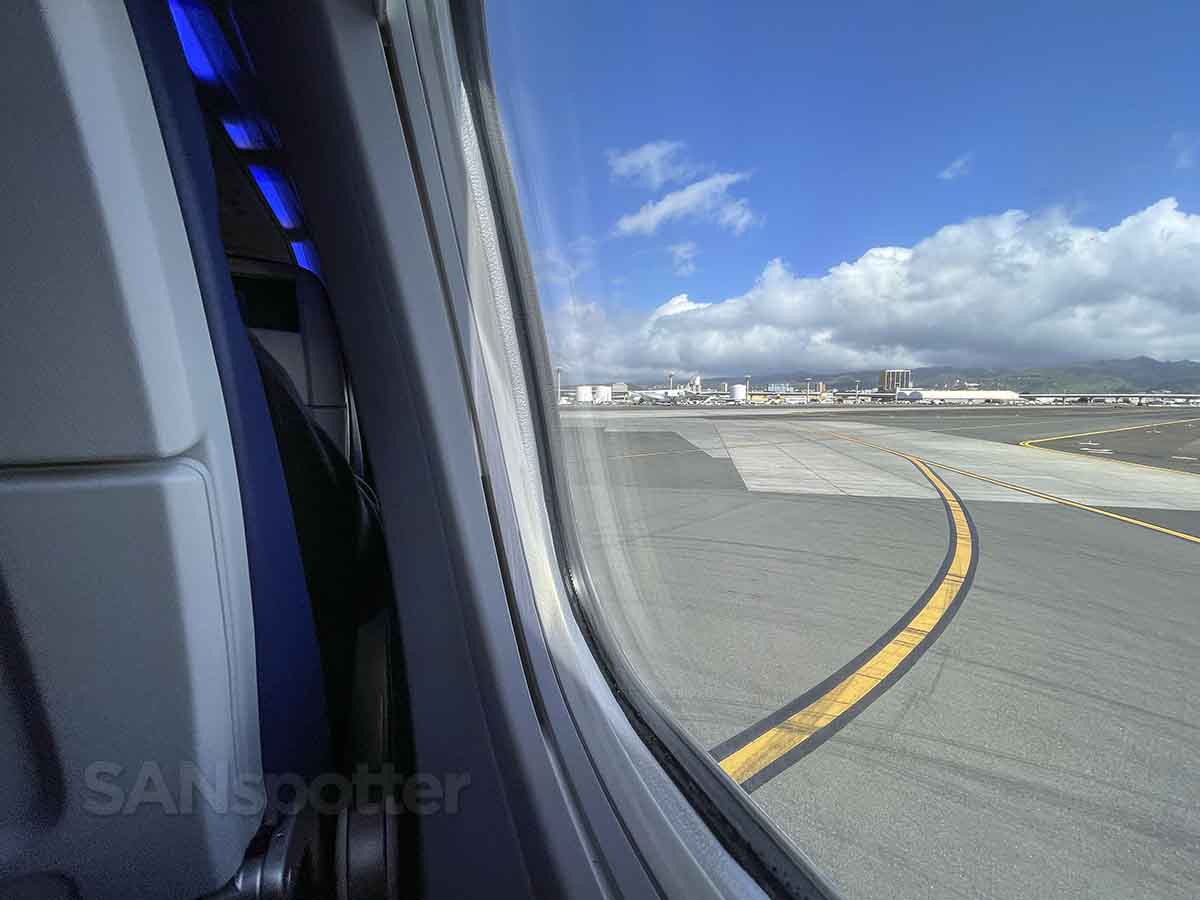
{"points": [[947, 664]]}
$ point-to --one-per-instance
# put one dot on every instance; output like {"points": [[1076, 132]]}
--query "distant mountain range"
{"points": [[1138, 374]]}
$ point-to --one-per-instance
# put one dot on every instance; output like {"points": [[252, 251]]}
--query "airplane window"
{"points": [[874, 335]]}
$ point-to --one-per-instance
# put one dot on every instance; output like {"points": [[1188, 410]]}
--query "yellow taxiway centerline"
{"points": [[763, 750], [1032, 492], [1036, 444], [1062, 437], [819, 715]]}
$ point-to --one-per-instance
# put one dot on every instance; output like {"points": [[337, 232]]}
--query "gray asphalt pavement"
{"points": [[1045, 744], [1173, 444]]}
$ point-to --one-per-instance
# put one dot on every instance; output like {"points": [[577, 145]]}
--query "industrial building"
{"points": [[810, 387], [618, 392], [924, 395]]}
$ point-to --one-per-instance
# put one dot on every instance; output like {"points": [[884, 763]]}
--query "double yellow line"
{"points": [[777, 745], [760, 752]]}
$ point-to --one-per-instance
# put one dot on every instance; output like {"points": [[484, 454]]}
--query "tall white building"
{"points": [[895, 380]]}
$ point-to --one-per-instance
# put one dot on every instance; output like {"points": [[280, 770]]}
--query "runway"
{"points": [[946, 663]]}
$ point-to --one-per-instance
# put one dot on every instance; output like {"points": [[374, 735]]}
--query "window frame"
{"points": [[502, 678], [744, 830]]}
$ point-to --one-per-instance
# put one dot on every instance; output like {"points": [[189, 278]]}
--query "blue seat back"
{"points": [[292, 709]]}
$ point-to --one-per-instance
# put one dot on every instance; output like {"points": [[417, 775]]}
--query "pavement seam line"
{"points": [[763, 755]]}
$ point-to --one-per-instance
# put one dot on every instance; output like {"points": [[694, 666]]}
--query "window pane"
{"points": [[874, 332]]}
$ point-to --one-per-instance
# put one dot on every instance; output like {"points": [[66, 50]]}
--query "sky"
{"points": [[785, 188]]}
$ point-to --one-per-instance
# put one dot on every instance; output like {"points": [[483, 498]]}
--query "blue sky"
{"points": [[766, 146]]}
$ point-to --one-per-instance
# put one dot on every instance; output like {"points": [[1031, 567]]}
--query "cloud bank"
{"points": [[1001, 290]]}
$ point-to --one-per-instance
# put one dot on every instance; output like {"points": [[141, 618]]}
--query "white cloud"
{"points": [[1184, 147], [680, 303], [1005, 289], [683, 257], [736, 215], [707, 199], [563, 265], [653, 164], [958, 168]]}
